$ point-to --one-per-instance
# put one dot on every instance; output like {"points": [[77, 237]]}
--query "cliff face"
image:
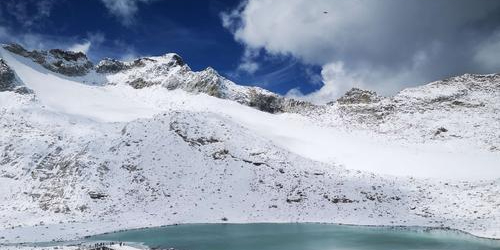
{"points": [[7, 77]]}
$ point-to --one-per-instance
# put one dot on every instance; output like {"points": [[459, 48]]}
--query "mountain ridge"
{"points": [[92, 153]]}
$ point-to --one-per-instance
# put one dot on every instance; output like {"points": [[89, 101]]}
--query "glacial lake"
{"points": [[298, 236]]}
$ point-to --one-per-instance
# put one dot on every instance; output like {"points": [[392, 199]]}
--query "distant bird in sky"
{"points": [[325, 12]]}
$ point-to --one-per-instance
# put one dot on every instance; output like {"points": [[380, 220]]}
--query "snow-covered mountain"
{"points": [[93, 148]]}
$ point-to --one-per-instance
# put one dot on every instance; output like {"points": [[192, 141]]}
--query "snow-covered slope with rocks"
{"points": [[150, 142]]}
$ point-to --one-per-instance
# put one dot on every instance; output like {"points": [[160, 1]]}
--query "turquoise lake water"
{"points": [[302, 236]]}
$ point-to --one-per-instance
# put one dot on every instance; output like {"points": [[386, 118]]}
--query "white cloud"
{"points": [[80, 47], [93, 40], [31, 41], [382, 45], [124, 10], [336, 81], [248, 63], [248, 67]]}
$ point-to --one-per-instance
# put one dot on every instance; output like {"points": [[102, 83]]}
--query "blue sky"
{"points": [[310, 49], [191, 28]]}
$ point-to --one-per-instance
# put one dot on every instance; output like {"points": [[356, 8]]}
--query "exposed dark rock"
{"points": [[273, 103], [358, 96], [295, 106], [199, 141], [205, 140], [468, 105], [112, 66], [23, 90], [140, 83], [440, 130], [108, 65], [177, 60], [267, 103], [337, 199], [290, 200], [17, 49], [68, 63], [255, 162], [208, 82], [448, 98], [131, 167], [295, 196], [97, 195], [221, 154], [7, 77], [68, 55]]}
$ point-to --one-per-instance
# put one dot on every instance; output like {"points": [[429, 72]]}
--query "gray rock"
{"points": [[108, 65], [266, 103], [23, 90], [60, 61], [17, 49], [358, 96], [7, 77], [97, 195], [208, 82], [140, 83], [177, 60], [273, 103]]}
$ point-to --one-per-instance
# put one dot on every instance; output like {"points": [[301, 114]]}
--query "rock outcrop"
{"points": [[67, 63], [108, 65], [7, 77], [358, 96], [273, 103]]}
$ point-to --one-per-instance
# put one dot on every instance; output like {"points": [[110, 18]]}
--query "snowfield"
{"points": [[91, 154]]}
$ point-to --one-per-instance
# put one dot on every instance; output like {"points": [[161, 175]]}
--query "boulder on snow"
{"points": [[97, 195], [440, 131]]}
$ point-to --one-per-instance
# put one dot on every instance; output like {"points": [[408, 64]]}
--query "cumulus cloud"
{"points": [[383, 45], [93, 40], [124, 10], [80, 47], [248, 63], [38, 41]]}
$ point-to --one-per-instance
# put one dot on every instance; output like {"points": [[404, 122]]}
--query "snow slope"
{"points": [[301, 136], [73, 98], [80, 159]]}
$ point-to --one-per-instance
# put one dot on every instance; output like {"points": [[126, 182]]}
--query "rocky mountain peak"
{"points": [[109, 65], [175, 59], [67, 63], [358, 96]]}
